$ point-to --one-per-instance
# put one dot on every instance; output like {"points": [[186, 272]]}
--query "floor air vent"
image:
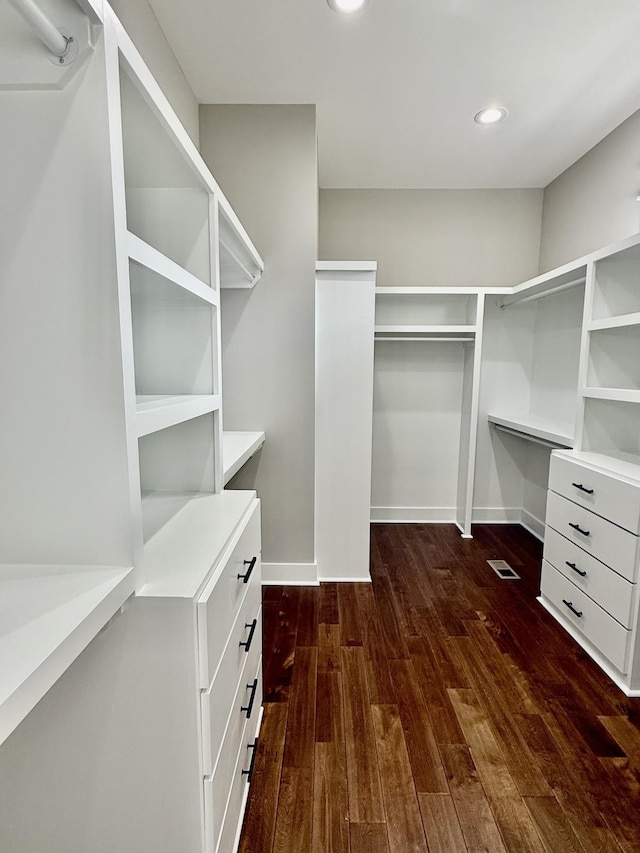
{"points": [[503, 570]]}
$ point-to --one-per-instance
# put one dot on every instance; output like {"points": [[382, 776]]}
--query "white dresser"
{"points": [[590, 565]]}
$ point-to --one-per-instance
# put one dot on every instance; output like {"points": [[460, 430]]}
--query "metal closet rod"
{"points": [[554, 445], [518, 301], [47, 32]]}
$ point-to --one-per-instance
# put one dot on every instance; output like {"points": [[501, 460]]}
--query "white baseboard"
{"points": [[413, 514], [290, 574], [533, 525], [496, 515], [344, 580]]}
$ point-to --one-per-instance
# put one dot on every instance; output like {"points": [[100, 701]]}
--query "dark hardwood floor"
{"points": [[438, 708]]}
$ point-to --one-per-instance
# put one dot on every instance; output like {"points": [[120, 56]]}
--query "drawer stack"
{"points": [[229, 624], [590, 565]]}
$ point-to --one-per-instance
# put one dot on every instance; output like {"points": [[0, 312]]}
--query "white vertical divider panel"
{"points": [[345, 315], [124, 286], [583, 370], [214, 242], [469, 423]]}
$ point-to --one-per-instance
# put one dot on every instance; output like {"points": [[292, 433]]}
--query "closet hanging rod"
{"points": [[516, 300], [61, 46], [554, 445]]}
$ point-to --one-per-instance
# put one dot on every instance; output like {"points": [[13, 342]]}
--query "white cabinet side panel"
{"points": [[344, 402]]}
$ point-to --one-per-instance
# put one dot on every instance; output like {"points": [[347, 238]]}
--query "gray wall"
{"points": [[593, 202], [143, 28], [264, 158], [435, 237]]}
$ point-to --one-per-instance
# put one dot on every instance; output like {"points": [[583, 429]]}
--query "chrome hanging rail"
{"points": [[62, 47]]}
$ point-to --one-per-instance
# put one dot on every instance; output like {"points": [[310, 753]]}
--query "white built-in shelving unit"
{"points": [[113, 455]]}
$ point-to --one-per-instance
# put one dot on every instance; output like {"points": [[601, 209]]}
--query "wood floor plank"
{"points": [[516, 825], [328, 647], [368, 838], [260, 817], [553, 825], [487, 756], [441, 825], [294, 818], [328, 613], [350, 626], [477, 822], [329, 724], [495, 704], [446, 728], [381, 691], [280, 629], [330, 832], [299, 745], [365, 794], [426, 763], [404, 823]]}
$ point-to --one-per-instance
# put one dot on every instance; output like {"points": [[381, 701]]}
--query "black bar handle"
{"points": [[251, 563], [249, 640], [579, 529], [249, 773], [582, 488], [571, 607], [248, 708], [575, 568]]}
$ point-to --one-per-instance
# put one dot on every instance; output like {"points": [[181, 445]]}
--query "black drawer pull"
{"points": [[253, 687], [575, 568], [583, 488], [571, 607], [249, 640], [249, 773], [579, 529], [251, 563]]}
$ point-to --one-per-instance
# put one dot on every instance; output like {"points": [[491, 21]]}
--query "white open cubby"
{"points": [[167, 204], [612, 428], [415, 307], [616, 290], [614, 358], [173, 339]]}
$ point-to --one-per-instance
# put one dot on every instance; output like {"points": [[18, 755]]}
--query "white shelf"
{"points": [[240, 264], [145, 255], [159, 411], [238, 448], [621, 466], [468, 329], [48, 615], [621, 395], [536, 429], [177, 559], [620, 322]]}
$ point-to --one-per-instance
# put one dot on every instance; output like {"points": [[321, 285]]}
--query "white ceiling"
{"points": [[397, 85]]}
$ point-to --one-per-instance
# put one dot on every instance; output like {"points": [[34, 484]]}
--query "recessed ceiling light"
{"points": [[490, 115], [347, 6]]}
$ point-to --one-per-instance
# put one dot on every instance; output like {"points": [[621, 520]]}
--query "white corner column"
{"points": [[345, 314]]}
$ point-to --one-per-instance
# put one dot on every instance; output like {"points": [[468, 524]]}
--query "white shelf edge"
{"points": [[530, 428], [37, 651], [157, 412], [425, 330], [420, 290], [346, 266], [620, 395], [237, 448], [145, 255], [621, 322]]}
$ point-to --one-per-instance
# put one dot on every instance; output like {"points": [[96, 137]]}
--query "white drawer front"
{"points": [[231, 690], [232, 822], [603, 493], [220, 602], [605, 541], [224, 790], [611, 591], [607, 635]]}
